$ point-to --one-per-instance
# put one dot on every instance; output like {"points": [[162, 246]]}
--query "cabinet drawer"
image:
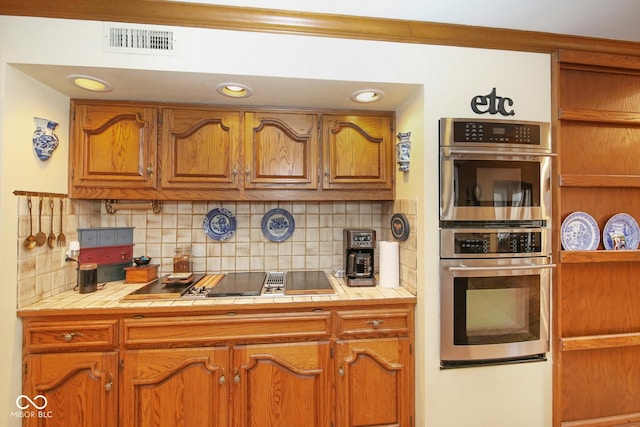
{"points": [[106, 255], [71, 335], [111, 272], [88, 238], [105, 236], [368, 323], [203, 330], [124, 236]]}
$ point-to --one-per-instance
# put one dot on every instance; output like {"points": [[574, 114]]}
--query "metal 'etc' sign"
{"points": [[492, 104]]}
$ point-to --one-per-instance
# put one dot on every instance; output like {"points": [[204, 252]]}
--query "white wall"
{"points": [[515, 395], [21, 99]]}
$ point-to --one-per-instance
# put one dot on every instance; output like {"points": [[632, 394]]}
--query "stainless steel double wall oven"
{"points": [[495, 243]]}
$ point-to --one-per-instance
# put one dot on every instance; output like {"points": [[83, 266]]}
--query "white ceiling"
{"points": [[166, 86], [594, 18]]}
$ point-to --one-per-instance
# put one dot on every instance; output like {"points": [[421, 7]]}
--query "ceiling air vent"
{"points": [[140, 39]]}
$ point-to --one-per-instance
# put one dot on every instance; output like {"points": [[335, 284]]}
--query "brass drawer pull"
{"points": [[70, 336], [375, 323]]}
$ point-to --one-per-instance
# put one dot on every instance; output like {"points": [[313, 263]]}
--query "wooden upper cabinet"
{"points": [[162, 151], [114, 146], [358, 152], [200, 149], [281, 150]]}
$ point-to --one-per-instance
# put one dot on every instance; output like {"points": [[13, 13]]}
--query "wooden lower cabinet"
{"points": [[175, 387], [319, 367], [80, 389], [281, 385], [374, 382]]}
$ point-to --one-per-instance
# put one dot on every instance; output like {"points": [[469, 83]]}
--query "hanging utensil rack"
{"points": [[40, 194], [43, 195]]}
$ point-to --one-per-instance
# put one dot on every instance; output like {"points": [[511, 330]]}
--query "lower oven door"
{"points": [[494, 310]]}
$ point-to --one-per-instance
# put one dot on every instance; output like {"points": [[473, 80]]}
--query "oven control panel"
{"points": [[494, 133], [494, 243], [512, 133]]}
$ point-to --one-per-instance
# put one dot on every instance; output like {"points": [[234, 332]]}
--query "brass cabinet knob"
{"points": [[70, 336]]}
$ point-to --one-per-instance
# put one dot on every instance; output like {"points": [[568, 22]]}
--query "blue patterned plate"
{"points": [[219, 224], [278, 225], [580, 232], [621, 232]]}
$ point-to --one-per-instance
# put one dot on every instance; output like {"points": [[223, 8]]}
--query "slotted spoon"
{"points": [[41, 238], [62, 239]]}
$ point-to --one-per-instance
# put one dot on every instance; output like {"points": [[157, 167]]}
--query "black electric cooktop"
{"points": [[307, 282], [244, 284], [250, 284], [238, 284]]}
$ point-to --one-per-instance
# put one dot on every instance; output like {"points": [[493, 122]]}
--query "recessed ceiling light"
{"points": [[93, 84], [234, 90], [367, 95]]}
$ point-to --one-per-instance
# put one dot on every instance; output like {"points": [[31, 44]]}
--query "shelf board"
{"points": [[600, 116], [630, 420], [577, 257], [603, 181], [596, 342]]}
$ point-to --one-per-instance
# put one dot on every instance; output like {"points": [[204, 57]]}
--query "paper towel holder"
{"points": [[400, 226]]}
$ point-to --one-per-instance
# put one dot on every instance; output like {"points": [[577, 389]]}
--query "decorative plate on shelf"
{"points": [[580, 232], [278, 225], [621, 232], [219, 224]]}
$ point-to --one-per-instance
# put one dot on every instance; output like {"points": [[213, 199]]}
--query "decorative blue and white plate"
{"points": [[278, 225], [219, 224], [621, 232], [580, 232]]}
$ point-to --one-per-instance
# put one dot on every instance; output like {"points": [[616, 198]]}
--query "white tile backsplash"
{"points": [[315, 244]]}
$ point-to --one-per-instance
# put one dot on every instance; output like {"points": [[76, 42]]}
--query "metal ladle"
{"points": [[30, 242]]}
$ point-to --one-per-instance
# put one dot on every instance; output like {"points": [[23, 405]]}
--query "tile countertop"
{"points": [[110, 299]]}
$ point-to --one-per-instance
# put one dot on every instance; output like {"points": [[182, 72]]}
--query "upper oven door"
{"points": [[494, 185]]}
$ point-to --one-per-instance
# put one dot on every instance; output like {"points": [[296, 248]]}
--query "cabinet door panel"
{"points": [[358, 152], [374, 382], [175, 388], [281, 150], [281, 385], [200, 149], [114, 146], [80, 389]]}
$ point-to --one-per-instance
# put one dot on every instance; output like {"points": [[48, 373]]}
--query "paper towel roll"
{"points": [[389, 264]]}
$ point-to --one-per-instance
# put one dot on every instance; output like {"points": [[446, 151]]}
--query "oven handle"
{"points": [[504, 267], [454, 151]]}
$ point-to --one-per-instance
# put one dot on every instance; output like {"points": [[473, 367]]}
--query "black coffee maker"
{"points": [[359, 246]]}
